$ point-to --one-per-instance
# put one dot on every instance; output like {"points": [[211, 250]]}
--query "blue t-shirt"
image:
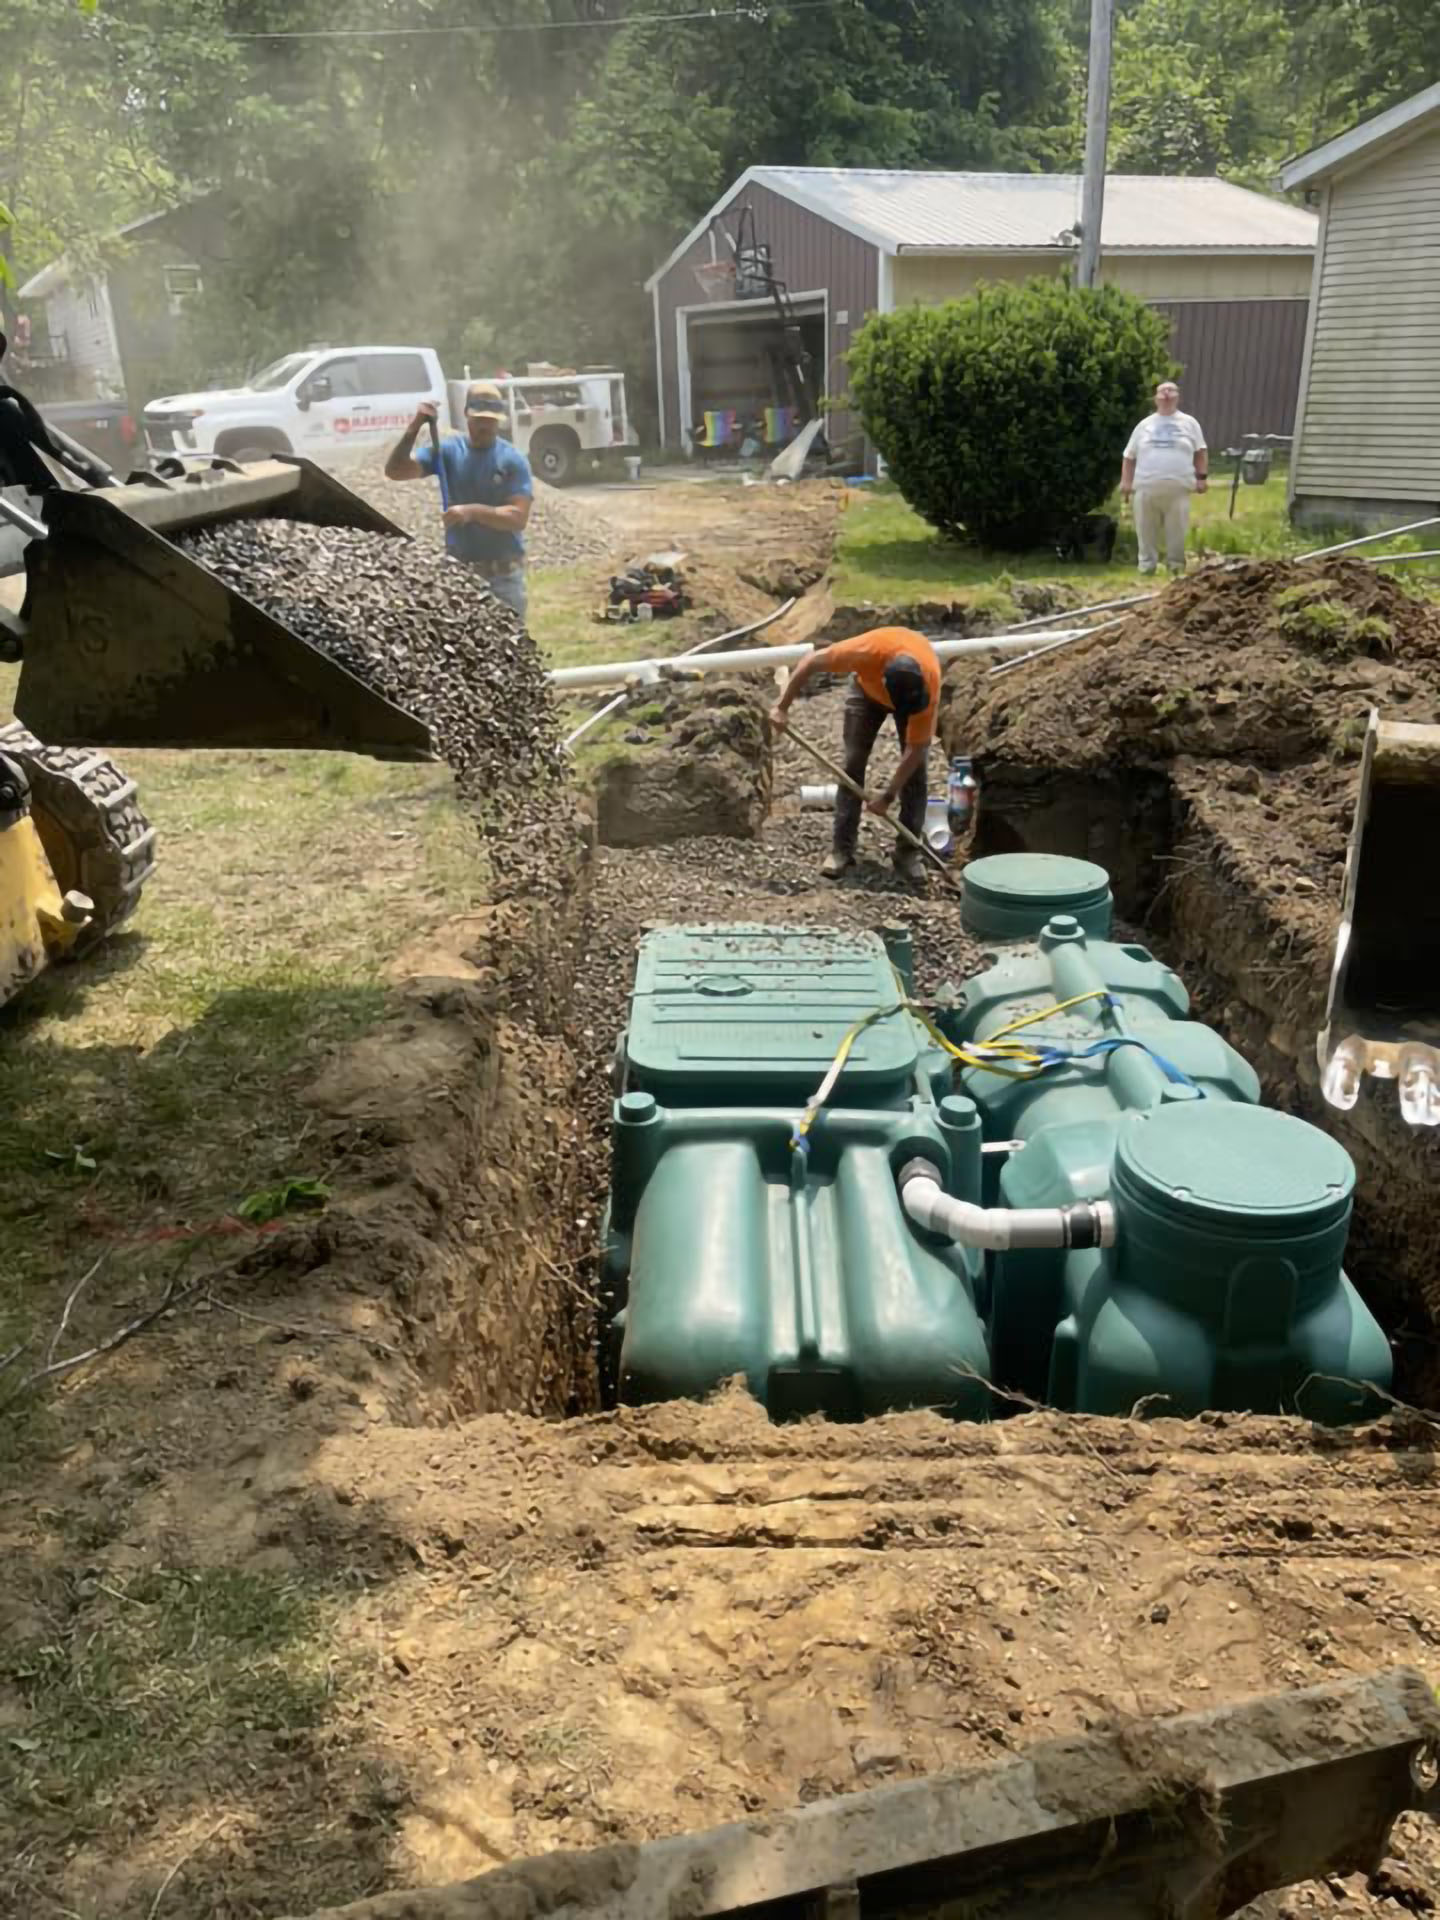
{"points": [[475, 477]]}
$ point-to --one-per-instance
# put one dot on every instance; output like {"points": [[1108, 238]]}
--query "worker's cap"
{"points": [[484, 401], [905, 684]]}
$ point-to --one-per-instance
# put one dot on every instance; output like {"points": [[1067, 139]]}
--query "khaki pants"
{"points": [[1162, 515]]}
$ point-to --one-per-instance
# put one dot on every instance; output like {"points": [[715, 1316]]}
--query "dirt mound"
{"points": [[697, 764]]}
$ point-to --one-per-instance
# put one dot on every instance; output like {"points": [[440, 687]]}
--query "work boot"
{"points": [[836, 863], [909, 865]]}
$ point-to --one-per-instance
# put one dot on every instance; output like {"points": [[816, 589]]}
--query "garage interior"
{"points": [[738, 361]]}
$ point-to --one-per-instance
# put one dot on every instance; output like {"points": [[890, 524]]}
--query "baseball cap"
{"points": [[483, 398], [905, 684]]}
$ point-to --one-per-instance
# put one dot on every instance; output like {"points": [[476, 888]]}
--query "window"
{"points": [[182, 284], [280, 372], [394, 373], [344, 378]]}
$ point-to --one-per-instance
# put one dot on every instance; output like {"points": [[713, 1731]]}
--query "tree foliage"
{"points": [[999, 415], [502, 191]]}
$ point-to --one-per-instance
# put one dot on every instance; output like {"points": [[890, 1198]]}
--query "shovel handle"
{"points": [[839, 773], [439, 465]]}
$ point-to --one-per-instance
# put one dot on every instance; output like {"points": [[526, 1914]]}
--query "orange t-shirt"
{"points": [[868, 655]]}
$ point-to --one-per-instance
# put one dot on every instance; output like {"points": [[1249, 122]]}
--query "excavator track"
{"points": [[95, 836]]}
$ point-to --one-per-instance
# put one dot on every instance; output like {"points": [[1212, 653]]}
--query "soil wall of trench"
{"points": [[472, 1215]]}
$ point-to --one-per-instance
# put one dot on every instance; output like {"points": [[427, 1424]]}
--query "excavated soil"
{"points": [[694, 762], [1207, 753]]}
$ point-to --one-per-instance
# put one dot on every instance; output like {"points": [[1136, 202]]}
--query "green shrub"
{"points": [[1004, 415]]}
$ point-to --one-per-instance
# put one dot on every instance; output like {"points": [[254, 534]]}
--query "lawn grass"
{"points": [[887, 554]]}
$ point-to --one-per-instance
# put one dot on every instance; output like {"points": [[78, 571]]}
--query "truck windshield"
{"points": [[279, 373]]}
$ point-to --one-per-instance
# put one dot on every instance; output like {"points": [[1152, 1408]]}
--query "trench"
{"points": [[1177, 887]]}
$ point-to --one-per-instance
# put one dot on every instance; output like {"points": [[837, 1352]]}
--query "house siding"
{"points": [[810, 255], [930, 278], [1370, 431], [78, 315]]}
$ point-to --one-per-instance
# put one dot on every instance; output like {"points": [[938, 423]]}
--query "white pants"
{"points": [[1162, 512]]}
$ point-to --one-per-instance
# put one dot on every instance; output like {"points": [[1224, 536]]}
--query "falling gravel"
{"points": [[424, 631]]}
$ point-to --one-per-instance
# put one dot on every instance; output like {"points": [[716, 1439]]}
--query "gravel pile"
{"points": [[423, 631], [561, 533]]}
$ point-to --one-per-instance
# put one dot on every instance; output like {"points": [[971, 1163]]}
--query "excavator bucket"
{"points": [[1182, 1819], [127, 639], [1383, 1014]]}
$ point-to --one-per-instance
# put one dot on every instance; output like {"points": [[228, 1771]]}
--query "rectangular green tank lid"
{"points": [[751, 1012]]}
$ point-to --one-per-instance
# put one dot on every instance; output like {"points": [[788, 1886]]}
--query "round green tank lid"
{"points": [[1012, 895], [1208, 1161]]}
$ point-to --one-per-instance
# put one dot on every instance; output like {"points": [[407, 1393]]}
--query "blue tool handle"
{"points": [[439, 467]]}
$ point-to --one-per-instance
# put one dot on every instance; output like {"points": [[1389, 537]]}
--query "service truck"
{"points": [[326, 402]]}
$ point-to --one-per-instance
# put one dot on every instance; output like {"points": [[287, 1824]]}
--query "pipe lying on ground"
{"points": [[619, 673], [1089, 1223], [701, 646]]}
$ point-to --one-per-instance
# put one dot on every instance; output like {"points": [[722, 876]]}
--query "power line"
{"points": [[757, 12]]}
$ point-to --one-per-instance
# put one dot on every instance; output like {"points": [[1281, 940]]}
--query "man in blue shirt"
{"points": [[487, 483]]}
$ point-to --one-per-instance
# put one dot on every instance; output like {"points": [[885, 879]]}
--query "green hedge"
{"points": [[1004, 415]]}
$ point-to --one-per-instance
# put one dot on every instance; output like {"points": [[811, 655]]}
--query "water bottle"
{"points": [[960, 795]]}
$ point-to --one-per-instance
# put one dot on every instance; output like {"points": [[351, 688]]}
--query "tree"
{"points": [[1003, 415]]}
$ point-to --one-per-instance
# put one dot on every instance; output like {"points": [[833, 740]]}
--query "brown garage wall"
{"points": [[809, 255], [1242, 363]]}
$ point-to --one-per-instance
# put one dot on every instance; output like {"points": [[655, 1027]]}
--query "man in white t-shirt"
{"points": [[1165, 462]]}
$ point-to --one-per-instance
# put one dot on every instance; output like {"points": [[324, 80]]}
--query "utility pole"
{"points": [[1097, 130]]}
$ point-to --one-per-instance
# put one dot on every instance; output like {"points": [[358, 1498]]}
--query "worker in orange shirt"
{"points": [[896, 672]]}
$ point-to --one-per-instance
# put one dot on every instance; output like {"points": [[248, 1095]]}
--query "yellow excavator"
{"points": [[122, 638]]}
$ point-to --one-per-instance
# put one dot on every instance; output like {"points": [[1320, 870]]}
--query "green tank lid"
{"points": [[1204, 1163], [1010, 896]]}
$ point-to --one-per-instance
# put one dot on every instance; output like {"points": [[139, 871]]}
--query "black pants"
{"points": [[864, 718]]}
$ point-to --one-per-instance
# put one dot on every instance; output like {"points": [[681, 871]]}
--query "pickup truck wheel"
{"points": [[244, 454], [553, 456]]}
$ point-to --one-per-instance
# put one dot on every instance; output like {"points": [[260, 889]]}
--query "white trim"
{"points": [[885, 284], [760, 307], [1316, 278], [1395, 125], [659, 359]]}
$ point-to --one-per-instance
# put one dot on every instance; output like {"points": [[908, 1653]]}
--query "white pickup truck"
{"points": [[328, 402]]}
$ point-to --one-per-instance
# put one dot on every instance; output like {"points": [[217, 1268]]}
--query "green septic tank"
{"points": [[730, 1252], [1010, 896], [1224, 1288]]}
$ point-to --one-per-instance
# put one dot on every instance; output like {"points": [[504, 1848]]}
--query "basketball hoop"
{"points": [[716, 278]]}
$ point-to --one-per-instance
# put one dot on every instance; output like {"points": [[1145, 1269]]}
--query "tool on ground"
{"points": [[837, 772], [652, 589], [439, 464], [1192, 1817], [1382, 1018]]}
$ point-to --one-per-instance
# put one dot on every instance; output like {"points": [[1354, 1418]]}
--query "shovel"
{"points": [[439, 465], [839, 773]]}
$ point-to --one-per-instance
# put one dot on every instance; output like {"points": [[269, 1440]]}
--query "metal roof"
{"points": [[1029, 212], [1367, 141]]}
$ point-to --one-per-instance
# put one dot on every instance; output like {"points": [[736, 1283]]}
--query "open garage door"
{"points": [[735, 362]]}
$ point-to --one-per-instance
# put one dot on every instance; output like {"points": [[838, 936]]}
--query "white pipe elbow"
{"points": [[1088, 1223]]}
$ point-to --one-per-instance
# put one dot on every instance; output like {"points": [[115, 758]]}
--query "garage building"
{"points": [[1232, 268]]}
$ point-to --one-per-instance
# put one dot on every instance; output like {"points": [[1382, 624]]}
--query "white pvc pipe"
{"points": [[701, 646], [996, 1229], [619, 673], [1369, 539]]}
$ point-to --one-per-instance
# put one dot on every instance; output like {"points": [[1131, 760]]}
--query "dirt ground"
{"points": [[340, 1582]]}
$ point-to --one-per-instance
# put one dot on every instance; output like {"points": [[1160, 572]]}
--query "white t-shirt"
{"points": [[1164, 448]]}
